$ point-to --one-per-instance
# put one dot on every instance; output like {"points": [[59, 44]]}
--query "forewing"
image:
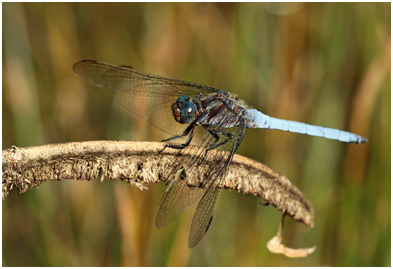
{"points": [[146, 95]]}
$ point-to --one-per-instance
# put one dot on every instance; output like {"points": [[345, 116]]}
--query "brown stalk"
{"points": [[140, 163]]}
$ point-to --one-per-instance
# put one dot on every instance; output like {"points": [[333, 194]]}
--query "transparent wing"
{"points": [[176, 199], [203, 216], [148, 96]]}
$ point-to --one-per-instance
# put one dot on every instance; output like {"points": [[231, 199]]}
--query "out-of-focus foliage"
{"points": [[325, 64]]}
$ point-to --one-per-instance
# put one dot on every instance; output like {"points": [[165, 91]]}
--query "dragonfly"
{"points": [[180, 108]]}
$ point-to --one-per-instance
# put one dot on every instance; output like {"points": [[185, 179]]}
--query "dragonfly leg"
{"points": [[214, 144], [214, 134], [190, 130]]}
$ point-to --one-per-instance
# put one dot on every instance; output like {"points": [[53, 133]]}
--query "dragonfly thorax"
{"points": [[183, 110]]}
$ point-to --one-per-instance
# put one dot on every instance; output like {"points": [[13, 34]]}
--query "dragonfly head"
{"points": [[183, 110]]}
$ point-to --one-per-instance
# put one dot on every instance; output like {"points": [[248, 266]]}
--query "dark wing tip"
{"points": [[77, 64], [88, 61], [85, 61]]}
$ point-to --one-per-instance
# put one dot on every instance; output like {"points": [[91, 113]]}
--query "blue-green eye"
{"points": [[187, 112], [183, 99]]}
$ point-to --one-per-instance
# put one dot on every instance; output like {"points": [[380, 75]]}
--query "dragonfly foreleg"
{"points": [[189, 131]]}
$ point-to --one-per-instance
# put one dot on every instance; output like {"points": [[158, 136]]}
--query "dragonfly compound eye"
{"points": [[187, 112], [182, 99]]}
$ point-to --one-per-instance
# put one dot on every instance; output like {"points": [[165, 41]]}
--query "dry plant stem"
{"points": [[140, 163], [275, 245]]}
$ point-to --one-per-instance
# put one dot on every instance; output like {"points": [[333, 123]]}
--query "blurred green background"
{"points": [[325, 64]]}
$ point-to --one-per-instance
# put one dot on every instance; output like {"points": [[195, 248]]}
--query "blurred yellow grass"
{"points": [[321, 63]]}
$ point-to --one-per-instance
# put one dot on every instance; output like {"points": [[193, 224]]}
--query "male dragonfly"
{"points": [[223, 118]]}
